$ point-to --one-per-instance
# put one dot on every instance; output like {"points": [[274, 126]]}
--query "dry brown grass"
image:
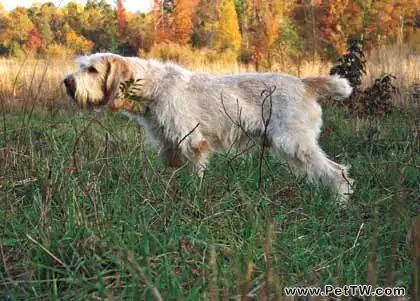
{"points": [[37, 83], [28, 83], [399, 61]]}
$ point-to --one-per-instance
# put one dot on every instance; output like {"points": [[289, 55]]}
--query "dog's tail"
{"points": [[335, 86]]}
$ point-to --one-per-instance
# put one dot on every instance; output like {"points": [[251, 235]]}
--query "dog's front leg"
{"points": [[171, 156]]}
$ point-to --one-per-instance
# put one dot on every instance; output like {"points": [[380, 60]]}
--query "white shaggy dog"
{"points": [[191, 115]]}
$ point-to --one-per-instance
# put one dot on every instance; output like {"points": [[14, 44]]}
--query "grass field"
{"points": [[87, 211]]}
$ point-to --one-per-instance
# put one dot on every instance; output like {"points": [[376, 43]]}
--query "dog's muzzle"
{"points": [[70, 84]]}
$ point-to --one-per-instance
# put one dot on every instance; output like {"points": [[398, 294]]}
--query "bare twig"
{"points": [[66, 280], [76, 143], [38, 92], [3, 256], [239, 122], [130, 259], [269, 96], [416, 258], [126, 256], [246, 285], [48, 252], [372, 274], [358, 235], [213, 292], [4, 126], [188, 134], [22, 182]]}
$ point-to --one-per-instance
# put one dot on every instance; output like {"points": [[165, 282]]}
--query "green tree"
{"points": [[140, 33], [93, 27], [72, 13]]}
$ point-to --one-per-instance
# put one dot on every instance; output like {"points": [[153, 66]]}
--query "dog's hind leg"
{"points": [[306, 157], [201, 152]]}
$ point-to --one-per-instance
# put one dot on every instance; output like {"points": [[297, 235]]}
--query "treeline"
{"points": [[254, 31]]}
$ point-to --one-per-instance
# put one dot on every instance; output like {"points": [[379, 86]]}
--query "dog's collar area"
{"points": [[136, 106], [128, 98]]}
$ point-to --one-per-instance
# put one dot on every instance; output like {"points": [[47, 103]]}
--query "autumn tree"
{"points": [[109, 38], [34, 43], [3, 30], [326, 25], [59, 26], [71, 15], [18, 28], [41, 18], [121, 16], [100, 26], [391, 21], [183, 21], [264, 21], [305, 15], [227, 35], [78, 43], [204, 23], [338, 20], [140, 33], [162, 17], [93, 28]]}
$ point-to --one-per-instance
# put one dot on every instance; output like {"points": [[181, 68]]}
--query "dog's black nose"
{"points": [[70, 84]]}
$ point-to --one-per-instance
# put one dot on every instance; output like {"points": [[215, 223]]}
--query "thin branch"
{"points": [[48, 252], [238, 124], [188, 134], [76, 143], [269, 96]]}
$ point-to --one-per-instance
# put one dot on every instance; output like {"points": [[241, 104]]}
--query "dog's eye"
{"points": [[92, 70]]}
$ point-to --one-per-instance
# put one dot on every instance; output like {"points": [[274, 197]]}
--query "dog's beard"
{"points": [[87, 102], [88, 98]]}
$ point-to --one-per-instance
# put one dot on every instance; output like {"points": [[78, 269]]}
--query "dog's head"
{"points": [[97, 81]]}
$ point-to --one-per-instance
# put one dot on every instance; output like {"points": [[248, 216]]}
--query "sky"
{"points": [[131, 5]]}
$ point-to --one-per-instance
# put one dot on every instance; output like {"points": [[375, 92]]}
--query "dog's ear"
{"points": [[117, 70], [82, 61]]}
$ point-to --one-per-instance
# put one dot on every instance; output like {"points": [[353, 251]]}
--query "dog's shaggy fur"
{"points": [[189, 115]]}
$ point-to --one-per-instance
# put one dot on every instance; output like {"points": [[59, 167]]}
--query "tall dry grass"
{"points": [[38, 83], [400, 61], [32, 83]]}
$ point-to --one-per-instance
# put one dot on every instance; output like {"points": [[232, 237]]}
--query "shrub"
{"points": [[377, 99], [353, 64]]}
